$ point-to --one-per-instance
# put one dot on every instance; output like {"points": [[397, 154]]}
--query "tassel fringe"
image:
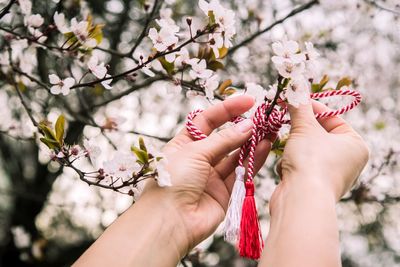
{"points": [[234, 213], [250, 241]]}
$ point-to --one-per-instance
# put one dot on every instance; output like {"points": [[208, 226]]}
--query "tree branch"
{"points": [[255, 35], [7, 8]]}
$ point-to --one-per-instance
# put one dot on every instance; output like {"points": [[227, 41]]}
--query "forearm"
{"points": [[304, 231], [147, 234]]}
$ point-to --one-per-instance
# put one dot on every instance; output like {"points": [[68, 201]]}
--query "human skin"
{"points": [[321, 161], [166, 223]]}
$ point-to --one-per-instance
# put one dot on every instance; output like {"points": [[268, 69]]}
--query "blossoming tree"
{"points": [[91, 90]]}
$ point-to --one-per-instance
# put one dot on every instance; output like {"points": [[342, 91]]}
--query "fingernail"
{"points": [[244, 125]]}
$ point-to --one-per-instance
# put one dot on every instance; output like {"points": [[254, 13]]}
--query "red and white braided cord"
{"points": [[264, 126]]}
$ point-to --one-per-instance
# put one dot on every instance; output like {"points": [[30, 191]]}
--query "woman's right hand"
{"points": [[325, 154]]}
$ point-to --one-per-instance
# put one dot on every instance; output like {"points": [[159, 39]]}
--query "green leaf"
{"points": [[97, 33], [380, 125], [215, 65], [169, 67], [315, 87], [324, 81], [47, 132], [50, 143], [60, 126], [278, 146], [345, 81], [141, 155], [141, 144], [212, 17], [318, 87]]}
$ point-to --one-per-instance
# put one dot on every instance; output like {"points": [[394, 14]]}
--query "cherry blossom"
{"points": [[298, 92], [59, 20], [146, 70], [35, 20], [106, 83], [92, 150], [210, 85], [311, 63], [81, 31], [26, 6], [182, 57], [199, 69], [163, 176], [225, 19], [60, 86], [121, 166], [287, 51], [162, 39], [98, 70]]}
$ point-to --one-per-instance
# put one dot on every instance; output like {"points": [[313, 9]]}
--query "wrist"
{"points": [[172, 235], [316, 180], [300, 188]]}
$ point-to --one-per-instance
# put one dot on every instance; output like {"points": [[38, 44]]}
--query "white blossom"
{"points": [[287, 51], [35, 20], [210, 85], [60, 86], [311, 63], [25, 6], [163, 176], [271, 93], [199, 69], [98, 70], [146, 70], [298, 92], [106, 83], [59, 20], [92, 150], [22, 238], [81, 31], [225, 19], [162, 39], [122, 166], [255, 90], [182, 57]]}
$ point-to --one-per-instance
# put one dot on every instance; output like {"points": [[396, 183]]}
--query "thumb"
{"points": [[221, 143], [302, 117]]}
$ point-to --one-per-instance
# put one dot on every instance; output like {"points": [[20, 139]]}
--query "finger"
{"points": [[332, 124], [217, 115], [227, 165], [302, 116], [260, 156], [221, 143]]}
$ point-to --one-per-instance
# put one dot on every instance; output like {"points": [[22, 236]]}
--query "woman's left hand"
{"points": [[202, 172]]}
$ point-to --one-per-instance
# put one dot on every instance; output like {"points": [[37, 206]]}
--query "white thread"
{"points": [[234, 213]]}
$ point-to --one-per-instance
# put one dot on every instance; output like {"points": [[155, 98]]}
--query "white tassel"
{"points": [[234, 213]]}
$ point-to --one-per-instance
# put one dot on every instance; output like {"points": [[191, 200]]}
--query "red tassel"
{"points": [[250, 241]]}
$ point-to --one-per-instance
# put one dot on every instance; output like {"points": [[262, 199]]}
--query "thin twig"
{"points": [[375, 4], [148, 61], [25, 105], [268, 28], [7, 8], [149, 18]]}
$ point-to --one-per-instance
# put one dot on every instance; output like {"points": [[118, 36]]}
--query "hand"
{"points": [[321, 161], [202, 172], [327, 154]]}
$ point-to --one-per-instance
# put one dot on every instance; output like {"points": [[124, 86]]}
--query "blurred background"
{"points": [[48, 217]]}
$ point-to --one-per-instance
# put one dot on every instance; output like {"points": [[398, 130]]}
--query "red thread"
{"points": [[250, 241]]}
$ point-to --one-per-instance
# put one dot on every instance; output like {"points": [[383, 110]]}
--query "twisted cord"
{"points": [[264, 125]]}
